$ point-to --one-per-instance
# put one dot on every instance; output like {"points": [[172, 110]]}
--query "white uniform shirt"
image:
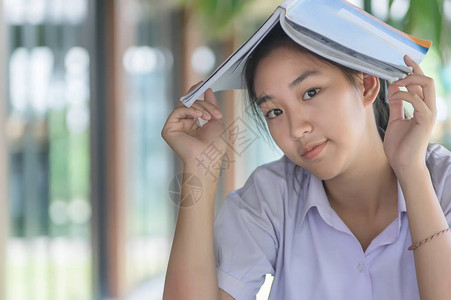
{"points": [[283, 224]]}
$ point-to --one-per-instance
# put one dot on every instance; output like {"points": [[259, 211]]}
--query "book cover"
{"points": [[334, 29]]}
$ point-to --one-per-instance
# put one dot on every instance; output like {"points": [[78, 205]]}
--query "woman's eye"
{"points": [[310, 93], [273, 113]]}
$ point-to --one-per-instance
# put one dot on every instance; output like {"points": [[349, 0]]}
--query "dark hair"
{"points": [[278, 38]]}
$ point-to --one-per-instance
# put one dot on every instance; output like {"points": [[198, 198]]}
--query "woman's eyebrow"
{"points": [[293, 84], [263, 99], [301, 77]]}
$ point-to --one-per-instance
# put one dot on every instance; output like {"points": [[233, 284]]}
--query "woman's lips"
{"points": [[315, 151]]}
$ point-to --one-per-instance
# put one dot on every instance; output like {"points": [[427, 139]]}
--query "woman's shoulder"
{"points": [[438, 159], [279, 172], [277, 168], [269, 192], [271, 181]]}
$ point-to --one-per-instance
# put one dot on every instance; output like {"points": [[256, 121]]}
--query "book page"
{"points": [[228, 75], [355, 29]]}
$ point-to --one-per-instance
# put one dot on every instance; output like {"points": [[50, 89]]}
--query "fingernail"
{"points": [[207, 113], [197, 111], [217, 112]]}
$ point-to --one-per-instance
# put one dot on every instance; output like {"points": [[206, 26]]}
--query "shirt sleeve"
{"points": [[446, 197], [440, 169], [245, 242]]}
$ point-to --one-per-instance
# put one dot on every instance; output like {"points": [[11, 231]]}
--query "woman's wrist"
{"points": [[410, 170], [413, 175], [204, 169]]}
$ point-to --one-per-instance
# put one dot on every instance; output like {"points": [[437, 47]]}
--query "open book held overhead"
{"points": [[334, 29]]}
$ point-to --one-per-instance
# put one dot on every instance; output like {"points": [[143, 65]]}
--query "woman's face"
{"points": [[314, 114]]}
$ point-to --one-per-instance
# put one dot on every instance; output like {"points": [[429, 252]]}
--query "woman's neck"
{"points": [[368, 188]]}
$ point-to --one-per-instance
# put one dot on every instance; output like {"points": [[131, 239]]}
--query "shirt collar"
{"points": [[314, 195]]}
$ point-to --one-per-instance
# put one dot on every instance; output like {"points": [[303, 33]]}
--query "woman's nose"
{"points": [[299, 126]]}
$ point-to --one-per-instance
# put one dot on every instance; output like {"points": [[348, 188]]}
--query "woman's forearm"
{"points": [[432, 259], [191, 272]]}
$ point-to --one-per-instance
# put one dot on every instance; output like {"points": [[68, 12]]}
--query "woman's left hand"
{"points": [[406, 140]]}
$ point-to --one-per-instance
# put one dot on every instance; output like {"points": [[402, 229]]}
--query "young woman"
{"points": [[335, 216]]}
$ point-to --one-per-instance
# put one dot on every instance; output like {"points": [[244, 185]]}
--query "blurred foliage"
{"points": [[217, 15], [424, 18]]}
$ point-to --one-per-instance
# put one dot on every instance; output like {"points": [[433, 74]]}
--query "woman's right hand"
{"points": [[185, 137]]}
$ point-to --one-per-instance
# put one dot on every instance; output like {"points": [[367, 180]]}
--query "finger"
{"points": [[392, 88], [206, 115], [413, 88], [396, 110], [190, 89], [189, 125], [411, 63], [396, 107], [416, 71], [182, 113], [421, 110], [211, 99], [180, 104], [412, 98], [425, 83], [208, 106], [194, 86]]}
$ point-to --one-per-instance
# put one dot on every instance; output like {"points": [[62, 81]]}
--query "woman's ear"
{"points": [[371, 88]]}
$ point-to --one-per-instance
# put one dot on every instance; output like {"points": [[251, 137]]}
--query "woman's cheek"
{"points": [[278, 134]]}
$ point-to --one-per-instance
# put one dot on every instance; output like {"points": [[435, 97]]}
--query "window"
{"points": [[47, 122]]}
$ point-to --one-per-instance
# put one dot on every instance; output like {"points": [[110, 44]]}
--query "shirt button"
{"points": [[360, 267]]}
